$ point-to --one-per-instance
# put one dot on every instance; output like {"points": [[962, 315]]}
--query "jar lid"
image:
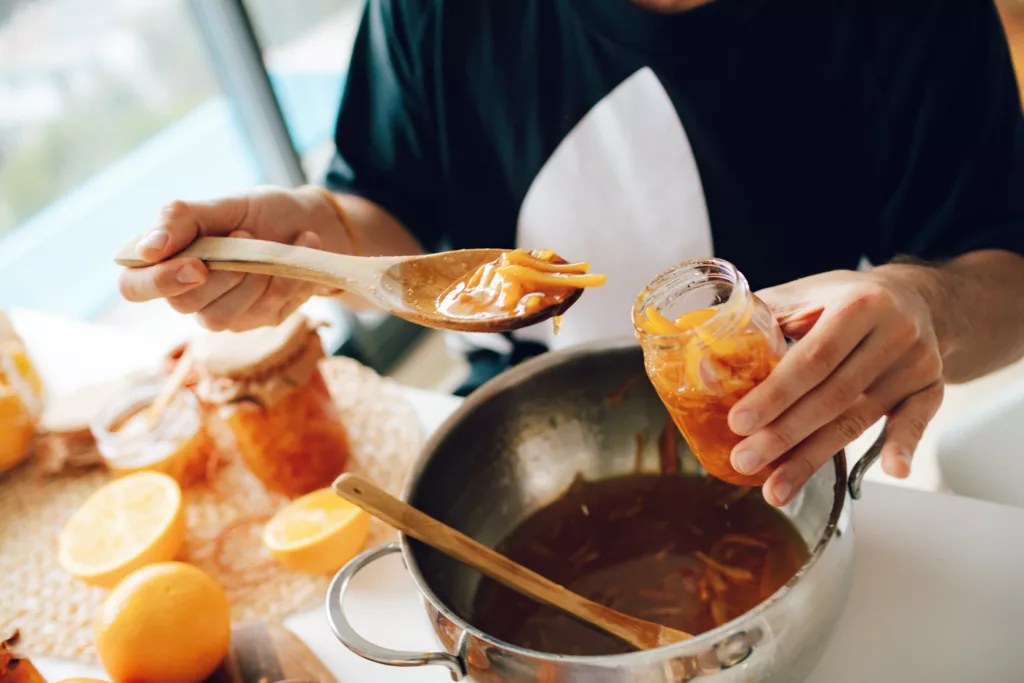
{"points": [[241, 355]]}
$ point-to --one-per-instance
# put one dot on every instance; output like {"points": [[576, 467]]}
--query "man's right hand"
{"points": [[224, 300]]}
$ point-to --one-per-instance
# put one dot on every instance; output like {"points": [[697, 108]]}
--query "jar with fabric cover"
{"points": [[265, 385]]}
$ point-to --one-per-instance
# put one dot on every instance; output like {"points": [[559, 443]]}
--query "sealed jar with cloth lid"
{"points": [[707, 341], [266, 386], [21, 398]]}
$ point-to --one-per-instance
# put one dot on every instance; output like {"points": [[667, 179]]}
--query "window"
{"points": [[108, 108], [111, 108], [306, 49]]}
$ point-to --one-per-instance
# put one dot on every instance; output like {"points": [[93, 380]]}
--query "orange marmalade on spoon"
{"points": [[707, 341], [519, 283]]}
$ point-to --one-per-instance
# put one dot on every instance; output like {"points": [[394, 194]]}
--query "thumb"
{"points": [[795, 314], [182, 222]]}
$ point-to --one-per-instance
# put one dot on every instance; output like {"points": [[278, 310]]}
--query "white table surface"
{"points": [[938, 592]]}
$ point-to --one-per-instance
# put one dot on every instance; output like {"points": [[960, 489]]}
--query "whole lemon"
{"points": [[166, 623]]}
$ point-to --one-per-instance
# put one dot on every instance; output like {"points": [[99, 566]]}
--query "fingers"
{"points": [[239, 302], [181, 222], [874, 356], [918, 376], [808, 363], [163, 280], [905, 428]]}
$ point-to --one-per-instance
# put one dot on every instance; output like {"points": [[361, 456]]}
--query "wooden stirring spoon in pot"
{"points": [[406, 286], [643, 635]]}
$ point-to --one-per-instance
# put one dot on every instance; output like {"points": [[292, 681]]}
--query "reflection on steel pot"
{"points": [[514, 446]]}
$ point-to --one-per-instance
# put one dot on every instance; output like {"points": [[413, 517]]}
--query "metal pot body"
{"points": [[514, 446]]}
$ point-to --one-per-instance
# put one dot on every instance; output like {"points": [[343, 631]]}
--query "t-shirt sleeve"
{"points": [[951, 178], [385, 135]]}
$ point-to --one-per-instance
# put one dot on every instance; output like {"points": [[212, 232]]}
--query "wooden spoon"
{"points": [[643, 635], [405, 286]]}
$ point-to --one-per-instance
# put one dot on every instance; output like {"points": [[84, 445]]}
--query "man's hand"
{"points": [[867, 349], [225, 300]]}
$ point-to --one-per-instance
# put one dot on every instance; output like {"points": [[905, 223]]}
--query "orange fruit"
{"points": [[166, 623], [125, 525], [317, 533]]}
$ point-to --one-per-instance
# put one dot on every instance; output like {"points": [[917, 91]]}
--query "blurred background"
{"points": [[110, 108]]}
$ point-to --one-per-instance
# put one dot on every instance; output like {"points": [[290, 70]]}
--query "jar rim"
{"points": [[135, 401], [688, 274]]}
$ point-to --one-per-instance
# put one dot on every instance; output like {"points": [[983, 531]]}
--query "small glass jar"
{"points": [[707, 341], [21, 398], [266, 386], [179, 445]]}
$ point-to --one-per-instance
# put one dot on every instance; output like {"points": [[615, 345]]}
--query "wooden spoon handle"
{"points": [[272, 258], [641, 634]]}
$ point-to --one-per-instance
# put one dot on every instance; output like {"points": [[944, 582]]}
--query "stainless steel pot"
{"points": [[512, 447]]}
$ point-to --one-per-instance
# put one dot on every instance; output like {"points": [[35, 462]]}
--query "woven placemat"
{"points": [[225, 519]]}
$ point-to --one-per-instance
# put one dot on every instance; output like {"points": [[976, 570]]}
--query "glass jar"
{"points": [[179, 445], [266, 386], [21, 398], [707, 341]]}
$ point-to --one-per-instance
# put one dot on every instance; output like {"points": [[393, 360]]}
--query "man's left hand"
{"points": [[866, 349]]}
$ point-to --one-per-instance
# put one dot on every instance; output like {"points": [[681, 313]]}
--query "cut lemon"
{"points": [[317, 533], [129, 523]]}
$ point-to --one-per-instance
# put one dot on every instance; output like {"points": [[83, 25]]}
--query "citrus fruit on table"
{"points": [[123, 526], [317, 533], [165, 623]]}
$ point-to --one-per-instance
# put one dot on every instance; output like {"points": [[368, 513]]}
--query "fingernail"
{"points": [[188, 274], [902, 464], [783, 490], [307, 239], [744, 422], [241, 234], [157, 239], [746, 462]]}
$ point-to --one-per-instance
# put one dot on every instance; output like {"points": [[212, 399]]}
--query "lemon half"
{"points": [[317, 533]]}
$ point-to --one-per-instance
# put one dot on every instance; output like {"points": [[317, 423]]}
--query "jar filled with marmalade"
{"points": [[21, 398], [265, 385], [177, 444], [707, 341]]}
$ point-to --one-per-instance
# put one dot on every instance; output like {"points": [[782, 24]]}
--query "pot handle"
{"points": [[348, 636], [864, 464]]}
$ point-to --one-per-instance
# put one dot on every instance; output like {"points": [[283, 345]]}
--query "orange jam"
{"points": [[21, 398], [703, 361], [265, 385], [296, 445], [178, 445], [518, 283]]}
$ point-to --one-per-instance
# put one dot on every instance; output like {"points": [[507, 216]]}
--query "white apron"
{"points": [[621, 191]]}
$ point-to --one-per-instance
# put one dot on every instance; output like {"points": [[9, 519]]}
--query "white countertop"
{"points": [[937, 597]]}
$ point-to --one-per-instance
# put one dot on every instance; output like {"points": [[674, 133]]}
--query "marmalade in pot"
{"points": [[687, 552]]}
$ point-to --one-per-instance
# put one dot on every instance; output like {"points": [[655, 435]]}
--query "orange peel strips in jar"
{"points": [[518, 283], [707, 341], [266, 386]]}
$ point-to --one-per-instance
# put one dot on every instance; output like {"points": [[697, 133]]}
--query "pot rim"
{"points": [[514, 376]]}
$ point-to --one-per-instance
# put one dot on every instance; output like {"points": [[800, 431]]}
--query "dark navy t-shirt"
{"points": [[790, 137]]}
